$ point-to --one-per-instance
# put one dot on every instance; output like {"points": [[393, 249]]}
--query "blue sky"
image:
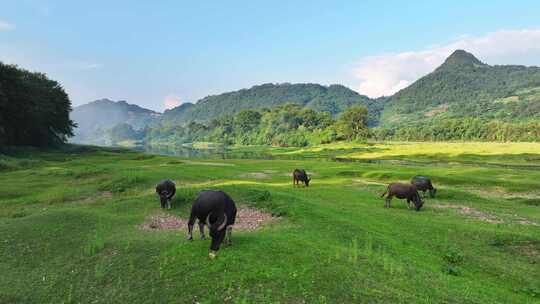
{"points": [[176, 51]]}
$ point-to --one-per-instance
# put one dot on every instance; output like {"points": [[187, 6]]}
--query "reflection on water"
{"points": [[186, 152], [211, 153], [225, 153]]}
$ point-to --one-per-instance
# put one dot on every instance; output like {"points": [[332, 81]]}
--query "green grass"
{"points": [[68, 228], [476, 153]]}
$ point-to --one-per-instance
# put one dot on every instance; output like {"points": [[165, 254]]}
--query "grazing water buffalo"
{"points": [[218, 211], [166, 190], [423, 183], [300, 175], [403, 191]]}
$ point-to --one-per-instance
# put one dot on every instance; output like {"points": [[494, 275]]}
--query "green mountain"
{"points": [[463, 86], [95, 119], [334, 99], [457, 99]]}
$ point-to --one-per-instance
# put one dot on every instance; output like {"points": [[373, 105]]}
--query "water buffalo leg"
{"points": [[190, 227], [228, 240], [201, 229], [190, 232]]}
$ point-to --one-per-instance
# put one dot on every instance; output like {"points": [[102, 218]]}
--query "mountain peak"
{"points": [[102, 101], [461, 58]]}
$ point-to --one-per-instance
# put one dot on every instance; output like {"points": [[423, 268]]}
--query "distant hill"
{"points": [[334, 99], [461, 89], [463, 86], [94, 119], [180, 113]]}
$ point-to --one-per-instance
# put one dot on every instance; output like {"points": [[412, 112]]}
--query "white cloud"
{"points": [[388, 73], [171, 101], [6, 26]]}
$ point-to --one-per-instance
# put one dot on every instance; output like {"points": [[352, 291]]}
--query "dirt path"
{"points": [[247, 219]]}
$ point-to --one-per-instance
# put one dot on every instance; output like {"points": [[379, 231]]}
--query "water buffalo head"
{"points": [[217, 231], [164, 198], [432, 192], [308, 179], [418, 203]]}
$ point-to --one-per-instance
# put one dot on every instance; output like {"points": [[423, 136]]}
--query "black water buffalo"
{"points": [[300, 175], [218, 211], [166, 190], [423, 184], [403, 191]]}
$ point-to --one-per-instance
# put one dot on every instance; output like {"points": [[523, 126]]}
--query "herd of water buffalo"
{"points": [[217, 210]]}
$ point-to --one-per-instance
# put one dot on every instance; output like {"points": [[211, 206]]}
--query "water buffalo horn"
{"points": [[220, 226], [208, 220], [224, 222]]}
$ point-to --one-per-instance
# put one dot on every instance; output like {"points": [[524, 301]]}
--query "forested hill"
{"points": [[98, 116], [334, 99], [464, 98], [463, 87]]}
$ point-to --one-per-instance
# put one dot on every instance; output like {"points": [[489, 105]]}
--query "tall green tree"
{"points": [[352, 123], [247, 120], [34, 110]]}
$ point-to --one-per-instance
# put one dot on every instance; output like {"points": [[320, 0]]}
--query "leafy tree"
{"points": [[247, 120], [34, 110], [353, 123]]}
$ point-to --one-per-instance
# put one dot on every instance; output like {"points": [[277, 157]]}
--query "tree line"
{"points": [[34, 110], [463, 129], [293, 125], [285, 125]]}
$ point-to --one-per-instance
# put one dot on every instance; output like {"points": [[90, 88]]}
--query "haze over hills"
{"points": [[95, 118], [462, 87]]}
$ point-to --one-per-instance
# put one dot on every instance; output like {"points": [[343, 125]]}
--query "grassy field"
{"points": [[479, 153], [69, 227]]}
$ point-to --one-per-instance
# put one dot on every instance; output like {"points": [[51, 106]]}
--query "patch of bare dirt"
{"points": [[247, 219], [473, 213], [367, 182], [256, 175], [528, 250], [484, 216], [270, 171], [98, 196], [523, 221], [191, 162], [439, 109], [163, 221], [499, 192], [309, 173], [369, 186]]}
